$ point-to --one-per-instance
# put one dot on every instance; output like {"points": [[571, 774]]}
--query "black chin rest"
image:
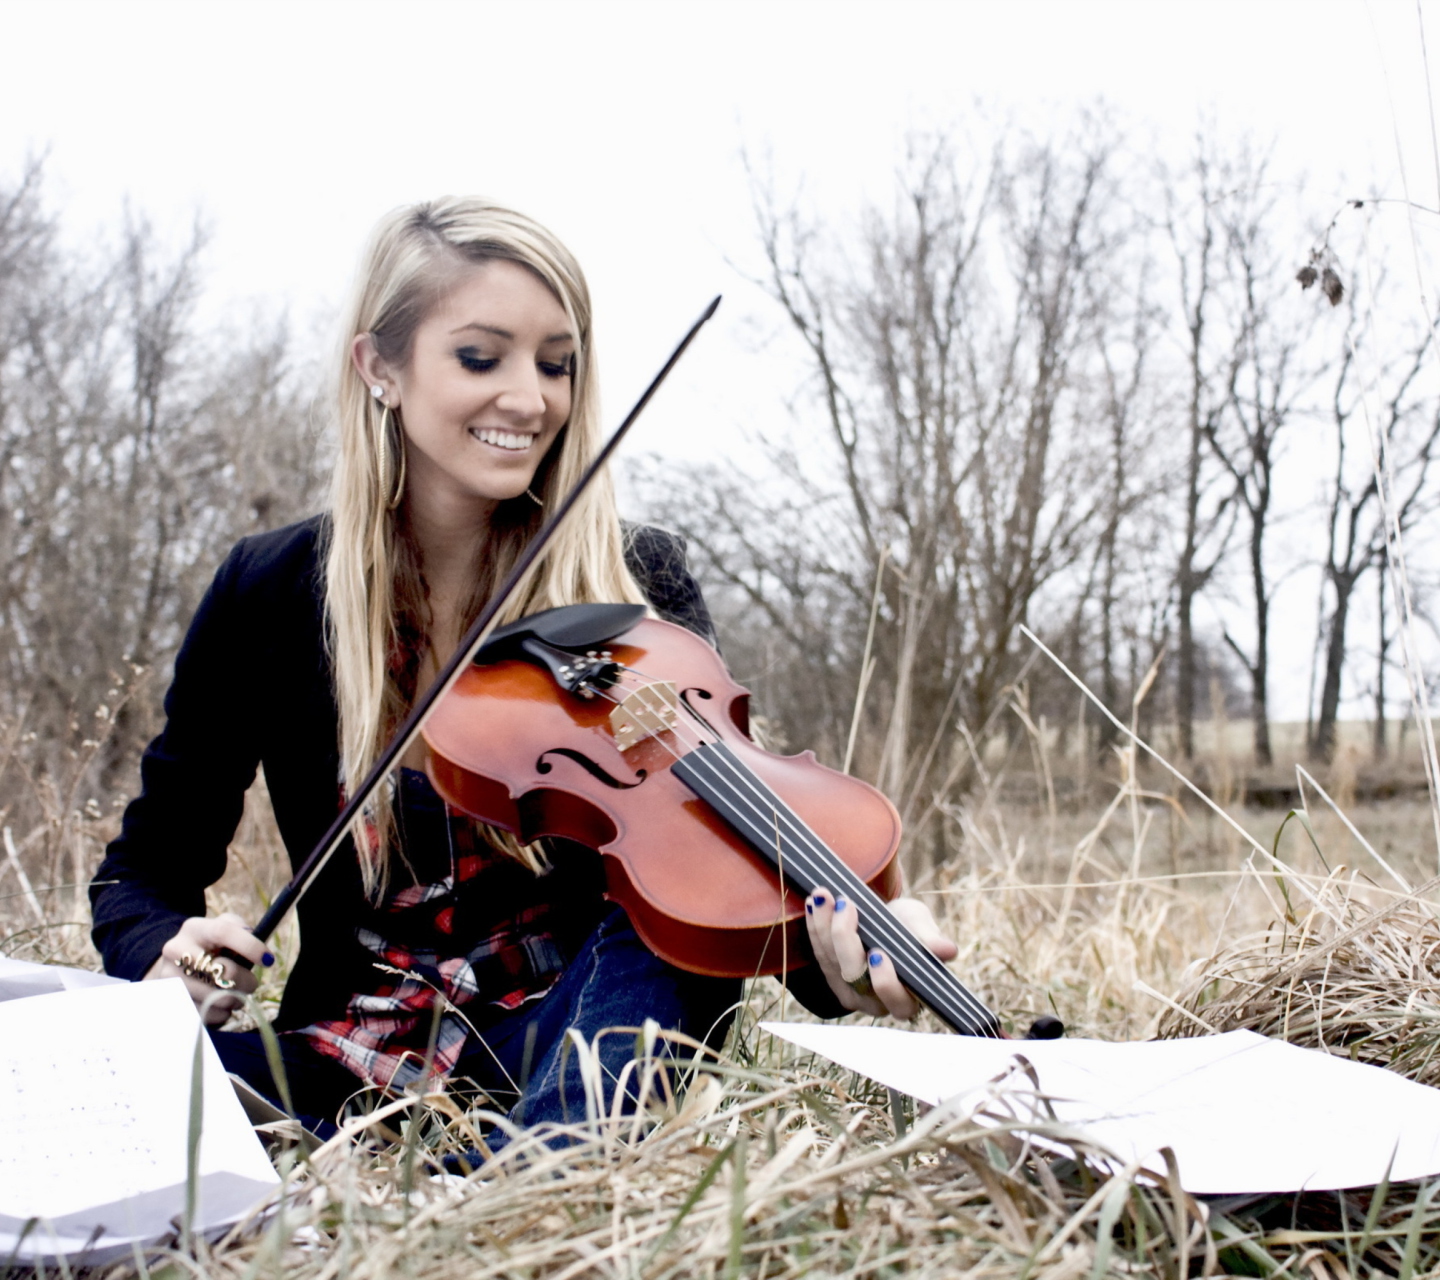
{"points": [[573, 627]]}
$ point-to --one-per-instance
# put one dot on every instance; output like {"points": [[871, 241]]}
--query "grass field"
{"points": [[1123, 909]]}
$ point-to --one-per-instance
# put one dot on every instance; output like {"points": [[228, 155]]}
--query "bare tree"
{"points": [[1409, 426], [1128, 416], [133, 449], [956, 389], [1197, 243], [1268, 379]]}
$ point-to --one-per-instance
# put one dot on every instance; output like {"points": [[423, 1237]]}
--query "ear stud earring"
{"points": [[377, 391]]}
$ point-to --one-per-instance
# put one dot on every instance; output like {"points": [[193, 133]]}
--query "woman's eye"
{"points": [[474, 361], [553, 370]]}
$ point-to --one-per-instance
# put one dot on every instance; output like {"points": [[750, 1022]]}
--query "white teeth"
{"points": [[503, 439]]}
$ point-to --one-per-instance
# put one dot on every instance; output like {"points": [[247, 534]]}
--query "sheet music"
{"points": [[104, 1150], [20, 978], [1241, 1112], [94, 1107]]}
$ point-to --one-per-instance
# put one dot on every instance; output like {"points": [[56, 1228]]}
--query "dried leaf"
{"points": [[1330, 283]]}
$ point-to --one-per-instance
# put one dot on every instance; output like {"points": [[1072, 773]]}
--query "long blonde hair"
{"points": [[375, 608]]}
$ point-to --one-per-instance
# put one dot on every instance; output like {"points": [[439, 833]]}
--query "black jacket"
{"points": [[252, 686]]}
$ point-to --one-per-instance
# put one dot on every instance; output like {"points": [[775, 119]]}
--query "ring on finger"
{"points": [[862, 985], [207, 967]]}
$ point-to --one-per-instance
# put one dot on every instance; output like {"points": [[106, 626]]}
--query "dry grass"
{"points": [[1343, 975], [766, 1172], [774, 1165]]}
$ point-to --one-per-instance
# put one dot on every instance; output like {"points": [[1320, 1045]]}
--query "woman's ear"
{"points": [[373, 369]]}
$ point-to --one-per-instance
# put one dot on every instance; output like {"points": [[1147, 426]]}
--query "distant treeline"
{"points": [[1061, 385], [134, 450], [1053, 384]]}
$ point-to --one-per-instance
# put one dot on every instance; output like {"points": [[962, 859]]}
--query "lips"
{"points": [[513, 441]]}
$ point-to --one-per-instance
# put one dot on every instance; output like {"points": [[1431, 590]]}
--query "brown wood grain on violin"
{"points": [[512, 748]]}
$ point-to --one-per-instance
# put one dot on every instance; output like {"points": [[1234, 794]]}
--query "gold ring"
{"points": [[861, 986], [207, 967]]}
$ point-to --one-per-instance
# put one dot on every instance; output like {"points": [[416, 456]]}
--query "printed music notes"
{"points": [[95, 1087]]}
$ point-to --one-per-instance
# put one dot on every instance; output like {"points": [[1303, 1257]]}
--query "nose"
{"points": [[522, 397]]}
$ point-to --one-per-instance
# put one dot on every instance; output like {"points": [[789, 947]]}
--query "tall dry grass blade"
{"points": [[1041, 756], [1412, 1235], [1346, 980], [972, 755], [1429, 98], [1151, 752], [12, 855], [867, 662], [737, 1210], [1305, 776], [274, 1059], [417, 1113], [1377, 1202], [194, 1125], [1146, 989]]}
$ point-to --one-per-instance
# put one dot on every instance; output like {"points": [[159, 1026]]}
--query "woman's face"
{"points": [[486, 391]]}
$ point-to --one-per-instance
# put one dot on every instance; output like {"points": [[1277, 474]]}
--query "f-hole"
{"points": [[686, 698], [542, 765]]}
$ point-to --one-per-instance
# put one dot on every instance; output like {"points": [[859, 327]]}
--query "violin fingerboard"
{"points": [[770, 827]]}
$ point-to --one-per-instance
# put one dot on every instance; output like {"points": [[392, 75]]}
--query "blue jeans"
{"points": [[523, 1061]]}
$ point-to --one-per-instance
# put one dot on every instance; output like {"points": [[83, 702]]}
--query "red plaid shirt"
{"points": [[472, 923]]}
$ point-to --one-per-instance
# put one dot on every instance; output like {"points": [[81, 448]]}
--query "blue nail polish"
{"points": [[267, 959], [819, 899], [839, 904], [809, 908], [876, 959]]}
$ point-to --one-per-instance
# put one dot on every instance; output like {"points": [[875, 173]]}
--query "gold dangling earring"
{"points": [[394, 439], [389, 428], [400, 448], [539, 502]]}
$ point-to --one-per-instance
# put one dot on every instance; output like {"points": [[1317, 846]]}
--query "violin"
{"points": [[597, 724], [594, 723]]}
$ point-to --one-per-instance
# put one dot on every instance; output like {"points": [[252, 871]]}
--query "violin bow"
{"points": [[478, 633]]}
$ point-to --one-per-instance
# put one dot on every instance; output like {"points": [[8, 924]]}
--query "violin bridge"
{"points": [[648, 710]]}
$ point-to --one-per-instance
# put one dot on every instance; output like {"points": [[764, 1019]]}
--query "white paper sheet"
{"points": [[20, 978], [94, 1118], [1242, 1113]]}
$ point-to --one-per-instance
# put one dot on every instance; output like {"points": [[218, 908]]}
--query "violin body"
{"points": [[513, 748]]}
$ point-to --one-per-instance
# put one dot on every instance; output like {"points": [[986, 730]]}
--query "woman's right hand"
{"points": [[202, 936]]}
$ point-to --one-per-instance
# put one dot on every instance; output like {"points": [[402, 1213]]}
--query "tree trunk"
{"points": [[1185, 647], [1322, 746], [1260, 670]]}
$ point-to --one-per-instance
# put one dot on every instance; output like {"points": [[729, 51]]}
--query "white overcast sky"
{"points": [[292, 125]]}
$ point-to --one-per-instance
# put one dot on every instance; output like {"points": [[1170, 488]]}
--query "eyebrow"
{"points": [[510, 337]]}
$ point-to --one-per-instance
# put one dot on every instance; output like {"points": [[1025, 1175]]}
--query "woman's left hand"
{"points": [[834, 928]]}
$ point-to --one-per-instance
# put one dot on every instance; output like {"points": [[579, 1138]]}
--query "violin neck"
{"points": [[769, 826]]}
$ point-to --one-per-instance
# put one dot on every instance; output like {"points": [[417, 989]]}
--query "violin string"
{"points": [[926, 968], [899, 943], [814, 859], [767, 810], [888, 931]]}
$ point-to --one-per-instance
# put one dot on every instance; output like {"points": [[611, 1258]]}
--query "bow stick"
{"points": [[480, 630]]}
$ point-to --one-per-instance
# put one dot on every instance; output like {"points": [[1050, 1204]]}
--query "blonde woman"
{"points": [[467, 406]]}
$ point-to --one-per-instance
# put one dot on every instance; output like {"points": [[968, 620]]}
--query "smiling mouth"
{"points": [[514, 441]]}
